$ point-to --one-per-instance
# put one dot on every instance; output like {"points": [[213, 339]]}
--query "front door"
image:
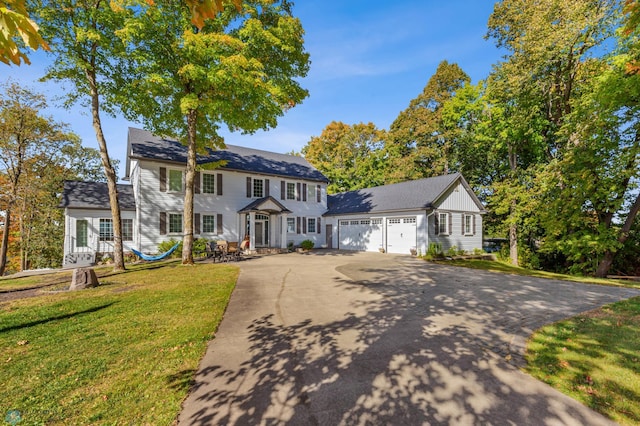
{"points": [[262, 230]]}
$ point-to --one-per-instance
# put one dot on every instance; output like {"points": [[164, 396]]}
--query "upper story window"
{"points": [[291, 191], [208, 183], [175, 180], [258, 188]]}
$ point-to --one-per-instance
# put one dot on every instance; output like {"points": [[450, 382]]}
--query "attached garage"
{"points": [[402, 234], [407, 217], [360, 234]]}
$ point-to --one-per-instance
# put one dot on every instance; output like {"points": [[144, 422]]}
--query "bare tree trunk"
{"points": [[513, 226], [187, 239], [609, 255], [109, 171], [5, 240]]}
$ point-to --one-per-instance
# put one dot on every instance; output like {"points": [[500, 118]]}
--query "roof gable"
{"points": [[411, 195], [144, 145]]}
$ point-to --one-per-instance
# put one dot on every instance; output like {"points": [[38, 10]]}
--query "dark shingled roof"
{"points": [[144, 145], [94, 195], [411, 195], [258, 205]]}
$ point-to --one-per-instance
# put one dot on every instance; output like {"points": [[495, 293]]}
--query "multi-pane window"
{"points": [[81, 233], [311, 225], [175, 180], [208, 183], [208, 224], [106, 230], [258, 188], [468, 224], [443, 224], [127, 229], [291, 191], [291, 225], [175, 223]]}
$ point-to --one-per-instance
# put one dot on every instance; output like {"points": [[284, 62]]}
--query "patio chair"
{"points": [[233, 251], [222, 246]]}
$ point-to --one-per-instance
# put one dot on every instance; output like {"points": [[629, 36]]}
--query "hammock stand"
{"points": [[156, 257]]}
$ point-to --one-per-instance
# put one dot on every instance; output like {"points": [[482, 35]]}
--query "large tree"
{"points": [[350, 156], [88, 54], [29, 147], [240, 69], [551, 47], [418, 144]]}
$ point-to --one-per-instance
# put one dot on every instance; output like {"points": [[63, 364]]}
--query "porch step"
{"points": [[269, 250]]}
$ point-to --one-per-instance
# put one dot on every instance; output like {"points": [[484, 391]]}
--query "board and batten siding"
{"points": [[458, 199]]}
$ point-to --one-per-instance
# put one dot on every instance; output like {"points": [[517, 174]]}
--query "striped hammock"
{"points": [[156, 257]]}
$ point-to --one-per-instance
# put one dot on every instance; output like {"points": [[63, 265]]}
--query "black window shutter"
{"points": [[283, 190], [299, 190], [304, 225], [163, 179], [474, 225], [318, 193], [304, 192], [163, 223], [197, 183], [197, 223], [436, 221], [248, 187], [266, 187], [219, 184], [462, 233], [298, 226], [318, 226], [219, 224], [450, 224]]}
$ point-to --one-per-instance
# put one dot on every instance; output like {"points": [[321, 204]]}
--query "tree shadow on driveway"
{"points": [[418, 344]]}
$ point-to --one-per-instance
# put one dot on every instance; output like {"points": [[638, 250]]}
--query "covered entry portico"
{"points": [[265, 222]]}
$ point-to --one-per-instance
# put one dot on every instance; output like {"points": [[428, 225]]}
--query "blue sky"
{"points": [[369, 59]]}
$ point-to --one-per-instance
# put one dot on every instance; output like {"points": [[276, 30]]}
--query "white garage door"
{"points": [[401, 234], [360, 234]]}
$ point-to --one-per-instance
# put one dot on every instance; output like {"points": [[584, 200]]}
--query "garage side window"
{"points": [[443, 223], [468, 224]]}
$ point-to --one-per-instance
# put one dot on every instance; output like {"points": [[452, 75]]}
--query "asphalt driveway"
{"points": [[330, 338]]}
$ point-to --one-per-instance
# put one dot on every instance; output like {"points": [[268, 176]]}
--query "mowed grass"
{"points": [[506, 268], [594, 358], [122, 353]]}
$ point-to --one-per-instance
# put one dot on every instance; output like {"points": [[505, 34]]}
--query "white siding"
{"points": [[233, 198], [458, 199]]}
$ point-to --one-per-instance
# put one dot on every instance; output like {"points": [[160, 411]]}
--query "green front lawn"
{"points": [[122, 353], [594, 358]]}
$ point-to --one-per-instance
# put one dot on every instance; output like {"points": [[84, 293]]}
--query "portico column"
{"points": [[283, 231], [252, 231]]}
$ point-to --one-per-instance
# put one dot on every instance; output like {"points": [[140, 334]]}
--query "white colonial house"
{"points": [[275, 199]]}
